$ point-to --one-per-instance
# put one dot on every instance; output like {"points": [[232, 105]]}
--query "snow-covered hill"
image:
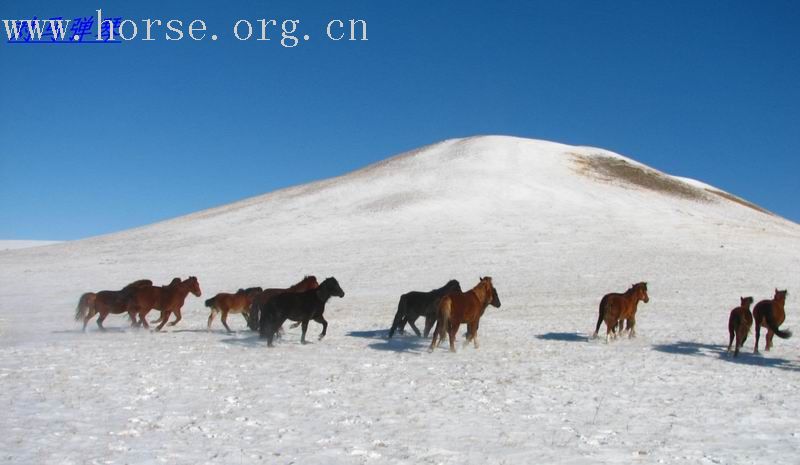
{"points": [[557, 226]]}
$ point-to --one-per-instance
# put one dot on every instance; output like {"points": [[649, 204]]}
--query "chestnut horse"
{"points": [[770, 313], [306, 284], [167, 299], [105, 302], [298, 306], [616, 308], [739, 324], [232, 303], [468, 307]]}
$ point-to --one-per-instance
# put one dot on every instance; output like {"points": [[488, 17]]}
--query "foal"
{"points": [[615, 308], [770, 313], [739, 324], [464, 307]]}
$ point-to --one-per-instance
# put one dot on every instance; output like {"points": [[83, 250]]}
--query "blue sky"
{"points": [[100, 138]]}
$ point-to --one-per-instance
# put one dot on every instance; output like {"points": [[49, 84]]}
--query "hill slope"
{"points": [[556, 226]]}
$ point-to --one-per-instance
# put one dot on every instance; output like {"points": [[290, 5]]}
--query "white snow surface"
{"points": [[537, 391]]}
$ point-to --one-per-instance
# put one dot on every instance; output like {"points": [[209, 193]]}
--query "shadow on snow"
{"points": [[399, 343], [563, 337], [696, 349]]}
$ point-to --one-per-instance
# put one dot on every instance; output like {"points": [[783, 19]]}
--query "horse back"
{"points": [[465, 306]]}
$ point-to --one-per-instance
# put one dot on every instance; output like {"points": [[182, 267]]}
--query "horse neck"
{"points": [[323, 294], [482, 294], [630, 296]]}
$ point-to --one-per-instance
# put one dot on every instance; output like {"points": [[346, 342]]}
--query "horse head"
{"points": [[491, 292], [780, 296], [331, 286], [640, 291], [746, 302], [452, 286], [194, 286]]}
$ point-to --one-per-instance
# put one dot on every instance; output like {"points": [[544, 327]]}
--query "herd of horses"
{"points": [[448, 307]]}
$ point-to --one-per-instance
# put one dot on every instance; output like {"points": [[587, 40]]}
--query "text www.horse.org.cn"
{"points": [[117, 29]]}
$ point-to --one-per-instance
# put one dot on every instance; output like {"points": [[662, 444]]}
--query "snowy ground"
{"points": [[537, 391]]}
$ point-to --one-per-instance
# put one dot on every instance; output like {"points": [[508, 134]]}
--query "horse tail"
{"points": [[773, 326], [85, 305], [445, 309], [398, 317], [211, 303], [601, 314]]}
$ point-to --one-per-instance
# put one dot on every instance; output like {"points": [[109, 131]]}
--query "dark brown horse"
{"points": [[232, 303], [298, 306], [306, 284], [616, 308], [415, 304], [105, 302], [739, 324], [168, 299], [770, 313], [464, 307]]}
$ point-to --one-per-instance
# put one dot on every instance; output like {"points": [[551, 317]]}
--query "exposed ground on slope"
{"points": [[614, 169], [739, 200]]}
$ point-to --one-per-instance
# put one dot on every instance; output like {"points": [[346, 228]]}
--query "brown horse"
{"points": [[770, 313], [739, 324], [105, 302], [616, 308], [167, 299], [260, 301], [232, 303], [464, 307]]}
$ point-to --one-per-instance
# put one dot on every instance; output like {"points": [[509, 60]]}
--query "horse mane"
{"points": [[139, 283], [306, 279]]}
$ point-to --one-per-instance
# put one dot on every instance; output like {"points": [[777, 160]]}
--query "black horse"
{"points": [[415, 304], [299, 306]]}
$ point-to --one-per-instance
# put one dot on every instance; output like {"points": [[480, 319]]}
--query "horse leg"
{"points": [[210, 319], [164, 319], [398, 319], [177, 317], [100, 320], [86, 319], [305, 328], [454, 324], [143, 318], [472, 335], [413, 326], [475, 333], [435, 335], [132, 317], [769, 338], [730, 340], [758, 335], [321, 320], [631, 327], [428, 325], [224, 319]]}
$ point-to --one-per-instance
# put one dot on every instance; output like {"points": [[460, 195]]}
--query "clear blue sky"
{"points": [[100, 138]]}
